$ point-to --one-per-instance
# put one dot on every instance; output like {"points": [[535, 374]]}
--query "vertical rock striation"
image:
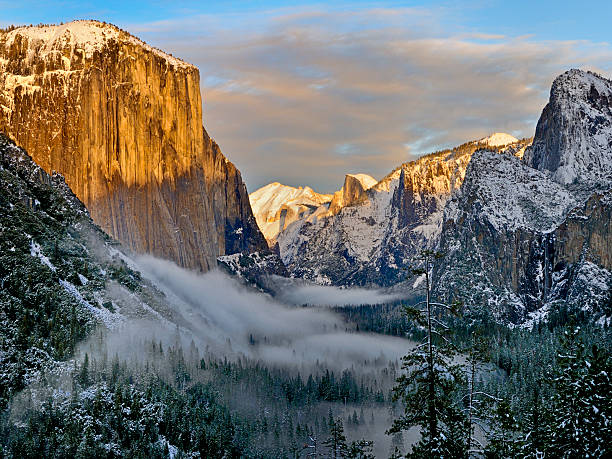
{"points": [[122, 121]]}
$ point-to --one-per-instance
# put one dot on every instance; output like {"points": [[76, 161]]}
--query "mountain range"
{"points": [[524, 224]]}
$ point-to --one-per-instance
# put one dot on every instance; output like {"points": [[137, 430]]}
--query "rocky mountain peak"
{"points": [[352, 192], [573, 139], [276, 206]]}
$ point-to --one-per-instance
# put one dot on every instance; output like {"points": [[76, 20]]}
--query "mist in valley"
{"points": [[213, 324]]}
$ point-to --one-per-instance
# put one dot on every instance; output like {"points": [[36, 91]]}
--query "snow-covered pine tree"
{"points": [[361, 449], [475, 400], [581, 406], [429, 386], [502, 432], [336, 442]]}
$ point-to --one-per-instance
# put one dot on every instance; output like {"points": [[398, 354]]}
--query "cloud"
{"points": [[322, 295], [227, 318], [286, 90]]}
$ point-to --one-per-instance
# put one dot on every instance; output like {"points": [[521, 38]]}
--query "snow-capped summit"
{"points": [[83, 37], [573, 139], [275, 206], [498, 139], [352, 192], [367, 181]]}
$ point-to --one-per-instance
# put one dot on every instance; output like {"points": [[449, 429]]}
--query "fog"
{"points": [[323, 295], [225, 318], [221, 314]]}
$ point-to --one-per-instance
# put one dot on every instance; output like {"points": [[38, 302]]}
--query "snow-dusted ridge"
{"points": [[371, 231], [86, 36], [511, 195]]}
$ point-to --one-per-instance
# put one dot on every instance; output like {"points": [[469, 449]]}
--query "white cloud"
{"points": [[283, 94]]}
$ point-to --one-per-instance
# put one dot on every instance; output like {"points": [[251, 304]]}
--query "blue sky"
{"points": [[547, 20], [304, 92]]}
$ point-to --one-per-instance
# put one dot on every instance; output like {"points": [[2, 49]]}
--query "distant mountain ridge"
{"points": [[371, 230], [275, 206], [525, 226], [122, 121]]}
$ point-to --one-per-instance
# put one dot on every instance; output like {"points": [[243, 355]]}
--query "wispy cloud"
{"points": [[285, 92]]}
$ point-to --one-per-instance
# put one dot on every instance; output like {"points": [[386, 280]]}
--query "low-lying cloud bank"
{"points": [[323, 295], [226, 318]]}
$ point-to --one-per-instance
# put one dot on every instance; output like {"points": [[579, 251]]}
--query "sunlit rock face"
{"points": [[371, 231], [276, 206], [122, 122]]}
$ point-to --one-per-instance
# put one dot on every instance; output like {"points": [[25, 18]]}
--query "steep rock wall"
{"points": [[123, 123]]}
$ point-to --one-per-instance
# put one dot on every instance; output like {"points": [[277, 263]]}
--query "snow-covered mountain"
{"points": [[275, 206], [526, 228], [498, 139], [370, 232], [526, 239], [573, 139]]}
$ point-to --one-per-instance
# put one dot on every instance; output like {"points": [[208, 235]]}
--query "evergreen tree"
{"points": [[534, 427], [581, 406], [476, 354], [361, 449], [336, 442], [502, 434], [430, 384]]}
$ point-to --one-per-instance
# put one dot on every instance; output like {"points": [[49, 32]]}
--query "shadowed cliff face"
{"points": [[123, 123], [525, 238]]}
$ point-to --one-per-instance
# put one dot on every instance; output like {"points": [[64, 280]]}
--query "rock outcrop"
{"points": [[573, 139], [525, 240], [376, 230], [353, 192], [122, 121]]}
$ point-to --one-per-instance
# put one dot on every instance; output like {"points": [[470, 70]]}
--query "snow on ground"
{"points": [[36, 251], [110, 319]]}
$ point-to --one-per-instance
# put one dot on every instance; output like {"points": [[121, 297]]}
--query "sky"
{"points": [[303, 92]]}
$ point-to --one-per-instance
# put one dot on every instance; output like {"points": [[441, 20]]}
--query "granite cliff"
{"points": [[370, 231], [527, 239], [122, 121]]}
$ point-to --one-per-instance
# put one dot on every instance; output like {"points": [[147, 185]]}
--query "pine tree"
{"points": [[534, 427], [429, 386], [361, 449], [336, 442], [476, 354], [581, 407], [502, 433], [84, 372]]}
